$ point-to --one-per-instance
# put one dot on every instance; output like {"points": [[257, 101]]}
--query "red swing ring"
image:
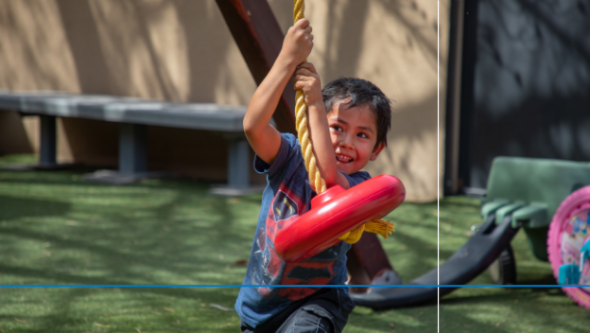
{"points": [[335, 212]]}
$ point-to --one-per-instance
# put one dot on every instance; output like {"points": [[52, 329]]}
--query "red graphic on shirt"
{"points": [[286, 207]]}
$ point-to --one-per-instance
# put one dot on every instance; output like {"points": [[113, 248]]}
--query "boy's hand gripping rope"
{"points": [[317, 183]]}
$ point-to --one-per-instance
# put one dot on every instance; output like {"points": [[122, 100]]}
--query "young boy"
{"points": [[348, 136]]}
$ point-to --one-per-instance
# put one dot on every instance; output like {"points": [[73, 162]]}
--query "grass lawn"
{"points": [[56, 228]]}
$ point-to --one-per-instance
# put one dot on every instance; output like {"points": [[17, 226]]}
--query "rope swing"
{"points": [[317, 183]]}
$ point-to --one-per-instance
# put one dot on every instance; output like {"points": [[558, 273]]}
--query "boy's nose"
{"points": [[345, 142]]}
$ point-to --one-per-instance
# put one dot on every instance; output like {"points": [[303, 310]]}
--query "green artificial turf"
{"points": [[56, 228]]}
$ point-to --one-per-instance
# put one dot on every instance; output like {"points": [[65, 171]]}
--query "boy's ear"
{"points": [[378, 148]]}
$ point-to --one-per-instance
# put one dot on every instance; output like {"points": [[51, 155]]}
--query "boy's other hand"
{"points": [[307, 79], [298, 43]]}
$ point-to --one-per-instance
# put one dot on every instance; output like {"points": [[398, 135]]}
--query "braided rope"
{"points": [[317, 183]]}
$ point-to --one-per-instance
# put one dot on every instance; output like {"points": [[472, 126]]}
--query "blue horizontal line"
{"points": [[288, 286]]}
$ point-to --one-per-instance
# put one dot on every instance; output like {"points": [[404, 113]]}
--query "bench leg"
{"points": [[47, 148], [132, 158], [238, 169], [47, 144], [132, 149]]}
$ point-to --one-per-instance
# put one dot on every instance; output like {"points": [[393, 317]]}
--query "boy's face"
{"points": [[354, 136]]}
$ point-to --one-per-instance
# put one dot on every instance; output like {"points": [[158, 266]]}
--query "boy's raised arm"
{"points": [[307, 79], [265, 139]]}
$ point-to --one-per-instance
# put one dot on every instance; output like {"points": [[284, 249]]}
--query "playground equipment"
{"points": [[259, 38], [569, 245], [522, 193]]}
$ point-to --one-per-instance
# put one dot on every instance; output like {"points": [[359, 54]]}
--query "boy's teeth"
{"points": [[343, 158]]}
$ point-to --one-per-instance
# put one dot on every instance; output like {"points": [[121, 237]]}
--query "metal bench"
{"points": [[134, 115]]}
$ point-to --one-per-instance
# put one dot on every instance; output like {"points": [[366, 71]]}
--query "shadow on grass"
{"points": [[546, 279], [512, 309], [179, 238], [18, 207], [124, 309]]}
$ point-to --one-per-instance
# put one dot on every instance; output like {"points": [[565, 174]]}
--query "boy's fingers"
{"points": [[303, 23], [309, 66], [304, 75], [303, 71], [298, 85], [300, 81]]}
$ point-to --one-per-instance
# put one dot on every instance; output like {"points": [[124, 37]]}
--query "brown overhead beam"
{"points": [[259, 37]]}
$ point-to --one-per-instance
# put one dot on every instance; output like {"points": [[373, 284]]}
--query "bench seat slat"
{"points": [[201, 116]]}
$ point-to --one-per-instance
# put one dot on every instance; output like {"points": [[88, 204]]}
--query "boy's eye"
{"points": [[363, 135], [336, 128]]}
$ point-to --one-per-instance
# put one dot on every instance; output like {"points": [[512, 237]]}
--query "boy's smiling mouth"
{"points": [[343, 158]]}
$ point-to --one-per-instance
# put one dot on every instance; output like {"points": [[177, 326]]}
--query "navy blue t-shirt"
{"points": [[286, 196]]}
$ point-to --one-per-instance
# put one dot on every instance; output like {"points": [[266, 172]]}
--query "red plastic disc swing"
{"points": [[335, 212]]}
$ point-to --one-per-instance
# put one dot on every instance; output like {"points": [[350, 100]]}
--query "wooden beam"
{"points": [[259, 38], [367, 259]]}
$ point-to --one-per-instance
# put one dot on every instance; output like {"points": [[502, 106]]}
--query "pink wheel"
{"points": [[568, 232]]}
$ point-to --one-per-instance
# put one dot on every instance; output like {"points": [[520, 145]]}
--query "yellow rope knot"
{"points": [[317, 183], [377, 226]]}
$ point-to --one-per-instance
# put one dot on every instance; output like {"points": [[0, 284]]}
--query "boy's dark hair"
{"points": [[361, 92]]}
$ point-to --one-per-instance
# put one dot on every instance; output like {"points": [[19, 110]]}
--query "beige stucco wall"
{"points": [[394, 45], [181, 50]]}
